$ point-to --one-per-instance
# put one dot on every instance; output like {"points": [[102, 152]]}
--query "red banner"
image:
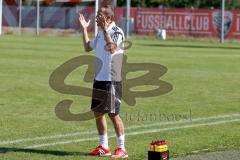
{"points": [[196, 22], [193, 22]]}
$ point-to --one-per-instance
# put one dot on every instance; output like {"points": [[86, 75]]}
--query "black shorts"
{"points": [[106, 96]]}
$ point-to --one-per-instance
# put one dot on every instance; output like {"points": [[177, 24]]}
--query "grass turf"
{"points": [[204, 74]]}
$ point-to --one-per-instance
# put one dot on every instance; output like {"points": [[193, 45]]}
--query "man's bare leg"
{"points": [[119, 129], [101, 124]]}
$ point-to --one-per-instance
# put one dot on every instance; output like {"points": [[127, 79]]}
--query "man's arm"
{"points": [[86, 41], [84, 25], [101, 20], [110, 44]]}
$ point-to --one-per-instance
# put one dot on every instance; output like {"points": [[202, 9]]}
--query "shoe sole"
{"points": [[126, 156], [105, 155]]}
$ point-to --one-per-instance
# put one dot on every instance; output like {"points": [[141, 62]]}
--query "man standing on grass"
{"points": [[107, 79]]}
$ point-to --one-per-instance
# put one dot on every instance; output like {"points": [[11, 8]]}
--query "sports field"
{"points": [[205, 79]]}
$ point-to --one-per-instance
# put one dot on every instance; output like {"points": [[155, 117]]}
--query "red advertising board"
{"points": [[195, 22]]}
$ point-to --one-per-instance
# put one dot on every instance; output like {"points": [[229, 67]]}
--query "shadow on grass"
{"points": [[189, 46], [39, 151]]}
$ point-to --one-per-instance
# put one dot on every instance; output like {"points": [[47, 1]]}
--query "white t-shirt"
{"points": [[108, 66]]}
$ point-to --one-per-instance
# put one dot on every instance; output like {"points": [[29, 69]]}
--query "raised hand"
{"points": [[83, 23], [101, 21]]}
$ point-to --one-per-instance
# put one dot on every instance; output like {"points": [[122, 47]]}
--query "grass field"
{"points": [[205, 78]]}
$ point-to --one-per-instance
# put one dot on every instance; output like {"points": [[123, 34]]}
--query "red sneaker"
{"points": [[120, 153], [100, 151]]}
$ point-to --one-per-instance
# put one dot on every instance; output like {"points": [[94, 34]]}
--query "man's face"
{"points": [[101, 13]]}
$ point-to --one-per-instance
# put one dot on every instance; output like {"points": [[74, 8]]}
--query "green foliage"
{"points": [[231, 4]]}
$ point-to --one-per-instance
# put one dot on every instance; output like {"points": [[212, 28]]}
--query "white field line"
{"points": [[47, 137], [128, 128], [135, 133]]}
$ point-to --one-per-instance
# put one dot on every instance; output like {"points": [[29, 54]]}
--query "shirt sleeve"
{"points": [[93, 43], [117, 37]]}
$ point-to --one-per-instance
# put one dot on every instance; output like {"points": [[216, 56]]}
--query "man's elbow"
{"points": [[88, 49], [112, 51]]}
